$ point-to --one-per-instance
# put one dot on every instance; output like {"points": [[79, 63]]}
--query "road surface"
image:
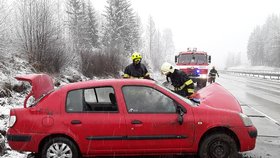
{"points": [[260, 100]]}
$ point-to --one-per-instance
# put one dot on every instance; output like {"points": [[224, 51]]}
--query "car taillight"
{"points": [[12, 119]]}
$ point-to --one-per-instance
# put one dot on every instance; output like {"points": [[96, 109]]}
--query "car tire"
{"points": [[69, 149], [218, 146]]}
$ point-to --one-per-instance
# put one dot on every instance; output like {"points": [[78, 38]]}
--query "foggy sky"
{"points": [[216, 26]]}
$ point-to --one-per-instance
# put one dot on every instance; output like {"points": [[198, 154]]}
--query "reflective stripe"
{"points": [[136, 77], [147, 74], [190, 90], [182, 87], [189, 82], [125, 76], [133, 77]]}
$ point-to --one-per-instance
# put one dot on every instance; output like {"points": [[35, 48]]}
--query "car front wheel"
{"points": [[218, 146], [59, 147]]}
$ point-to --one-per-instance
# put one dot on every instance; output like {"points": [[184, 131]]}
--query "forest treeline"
{"points": [[54, 34], [263, 47], [264, 43]]}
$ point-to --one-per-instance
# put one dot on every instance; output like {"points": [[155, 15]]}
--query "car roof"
{"points": [[108, 82]]}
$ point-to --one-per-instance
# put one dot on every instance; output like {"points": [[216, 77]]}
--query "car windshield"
{"points": [[192, 59], [188, 101]]}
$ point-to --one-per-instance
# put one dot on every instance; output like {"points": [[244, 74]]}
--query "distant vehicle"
{"points": [[127, 117], [195, 64]]}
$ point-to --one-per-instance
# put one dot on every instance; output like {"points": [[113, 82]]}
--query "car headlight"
{"points": [[246, 120]]}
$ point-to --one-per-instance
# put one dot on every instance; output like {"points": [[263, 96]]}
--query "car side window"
{"points": [[100, 99], [141, 99]]}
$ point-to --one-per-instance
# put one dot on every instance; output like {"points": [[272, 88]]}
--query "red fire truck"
{"points": [[195, 64]]}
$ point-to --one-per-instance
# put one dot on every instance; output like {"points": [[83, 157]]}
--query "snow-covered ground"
{"points": [[11, 67]]}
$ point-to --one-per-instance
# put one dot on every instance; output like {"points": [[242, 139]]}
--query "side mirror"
{"points": [[176, 58], [180, 119], [209, 58]]}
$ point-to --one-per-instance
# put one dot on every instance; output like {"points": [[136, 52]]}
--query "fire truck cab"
{"points": [[195, 64]]}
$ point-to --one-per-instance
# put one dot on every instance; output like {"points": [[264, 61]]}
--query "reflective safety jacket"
{"points": [[183, 85], [136, 71]]}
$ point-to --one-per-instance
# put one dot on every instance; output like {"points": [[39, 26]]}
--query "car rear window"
{"points": [[100, 99]]}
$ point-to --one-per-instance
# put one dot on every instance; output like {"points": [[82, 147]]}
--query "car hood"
{"points": [[216, 96], [41, 84]]}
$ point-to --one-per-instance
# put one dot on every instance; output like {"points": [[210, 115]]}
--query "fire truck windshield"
{"points": [[192, 59]]}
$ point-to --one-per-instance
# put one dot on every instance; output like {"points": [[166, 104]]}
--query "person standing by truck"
{"points": [[212, 75], [183, 85]]}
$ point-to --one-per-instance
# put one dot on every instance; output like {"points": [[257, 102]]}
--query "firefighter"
{"points": [[183, 85], [136, 69], [212, 75]]}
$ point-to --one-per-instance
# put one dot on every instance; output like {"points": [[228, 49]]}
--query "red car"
{"points": [[128, 117]]}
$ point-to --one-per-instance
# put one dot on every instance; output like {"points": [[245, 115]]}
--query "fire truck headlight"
{"points": [[203, 76]]}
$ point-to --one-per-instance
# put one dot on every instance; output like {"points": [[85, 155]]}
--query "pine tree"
{"points": [[264, 43], [76, 23], [121, 29], [255, 46], [92, 26], [272, 41]]}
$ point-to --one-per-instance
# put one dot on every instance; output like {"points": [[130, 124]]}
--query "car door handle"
{"points": [[75, 122], [136, 122]]}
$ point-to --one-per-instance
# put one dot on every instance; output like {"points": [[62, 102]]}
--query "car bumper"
{"points": [[24, 141], [247, 137]]}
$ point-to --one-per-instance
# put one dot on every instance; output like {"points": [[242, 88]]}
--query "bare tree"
{"points": [[4, 25], [168, 47], [39, 36], [151, 31], [150, 34], [159, 46]]}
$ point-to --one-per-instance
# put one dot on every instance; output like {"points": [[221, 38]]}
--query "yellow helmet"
{"points": [[136, 56], [166, 68]]}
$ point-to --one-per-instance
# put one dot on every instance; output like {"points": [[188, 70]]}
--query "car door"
{"points": [[152, 121], [94, 118]]}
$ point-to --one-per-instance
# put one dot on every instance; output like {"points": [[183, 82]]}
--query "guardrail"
{"points": [[260, 74]]}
